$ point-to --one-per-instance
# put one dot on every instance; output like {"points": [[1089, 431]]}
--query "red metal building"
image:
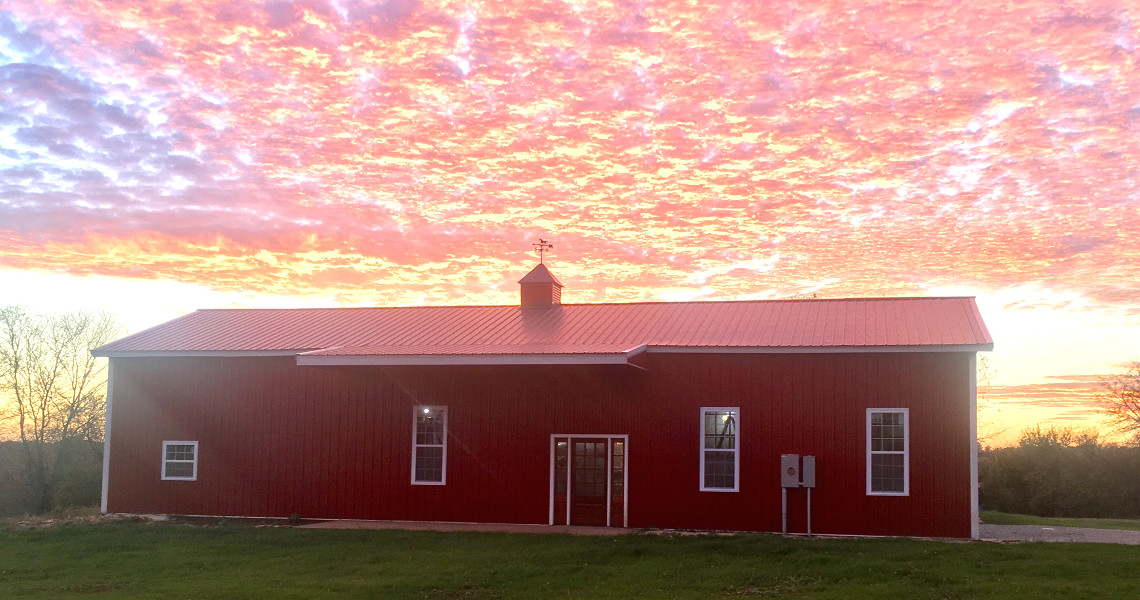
{"points": [[665, 415]]}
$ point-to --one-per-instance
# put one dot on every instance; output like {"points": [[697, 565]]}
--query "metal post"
{"points": [[784, 510], [809, 512]]}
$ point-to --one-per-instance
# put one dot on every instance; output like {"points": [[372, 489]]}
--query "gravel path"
{"points": [[1037, 533]]}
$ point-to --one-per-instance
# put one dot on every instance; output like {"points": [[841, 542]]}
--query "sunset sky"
{"points": [[157, 157]]}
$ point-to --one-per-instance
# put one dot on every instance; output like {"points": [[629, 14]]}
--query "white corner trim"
{"points": [[107, 436], [975, 516]]}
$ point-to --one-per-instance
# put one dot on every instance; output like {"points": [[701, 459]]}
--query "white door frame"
{"points": [[624, 438]]}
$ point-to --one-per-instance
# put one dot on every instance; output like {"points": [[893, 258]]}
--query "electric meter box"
{"points": [[807, 472], [790, 470]]}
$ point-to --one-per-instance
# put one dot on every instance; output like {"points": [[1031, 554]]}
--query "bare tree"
{"points": [[55, 390], [1059, 437], [1120, 397], [989, 418]]}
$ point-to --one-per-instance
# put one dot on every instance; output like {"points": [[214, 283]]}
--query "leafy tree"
{"points": [[1120, 395], [54, 391]]}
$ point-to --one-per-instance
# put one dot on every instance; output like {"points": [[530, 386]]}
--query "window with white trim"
{"points": [[180, 461], [720, 453], [429, 446], [888, 452]]}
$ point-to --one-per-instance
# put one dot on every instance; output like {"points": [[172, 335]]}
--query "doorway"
{"points": [[588, 479]]}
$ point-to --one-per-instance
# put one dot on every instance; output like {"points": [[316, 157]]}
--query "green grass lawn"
{"points": [[999, 518], [183, 561]]}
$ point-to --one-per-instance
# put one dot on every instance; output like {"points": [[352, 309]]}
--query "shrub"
{"points": [[1061, 472], [78, 481]]}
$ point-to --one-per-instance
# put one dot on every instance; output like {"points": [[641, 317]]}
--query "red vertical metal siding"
{"points": [[277, 439]]}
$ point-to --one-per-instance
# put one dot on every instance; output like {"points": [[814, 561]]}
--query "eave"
{"points": [[817, 349], [348, 357], [195, 353], [340, 357]]}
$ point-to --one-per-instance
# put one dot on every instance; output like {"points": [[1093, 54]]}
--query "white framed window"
{"points": [[720, 449], [180, 461], [429, 445], [888, 452]]}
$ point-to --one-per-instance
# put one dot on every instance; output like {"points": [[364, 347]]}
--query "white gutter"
{"points": [[816, 349], [593, 358], [206, 353]]}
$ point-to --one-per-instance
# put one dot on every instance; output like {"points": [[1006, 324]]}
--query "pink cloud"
{"points": [[882, 149]]}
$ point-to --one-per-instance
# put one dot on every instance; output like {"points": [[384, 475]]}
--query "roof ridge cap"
{"points": [[567, 304]]}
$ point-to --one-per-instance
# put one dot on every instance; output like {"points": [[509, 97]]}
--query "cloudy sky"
{"points": [[157, 157]]}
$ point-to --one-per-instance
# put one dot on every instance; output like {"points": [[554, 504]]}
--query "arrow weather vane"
{"points": [[542, 246]]}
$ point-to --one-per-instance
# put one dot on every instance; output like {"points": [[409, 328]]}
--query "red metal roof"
{"points": [[585, 330], [540, 274]]}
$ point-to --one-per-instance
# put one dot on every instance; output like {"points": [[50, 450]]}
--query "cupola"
{"points": [[540, 288]]}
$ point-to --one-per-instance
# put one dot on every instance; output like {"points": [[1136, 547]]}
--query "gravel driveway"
{"points": [[1037, 533]]}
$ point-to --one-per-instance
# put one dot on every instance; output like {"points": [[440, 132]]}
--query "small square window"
{"points": [[180, 461]]}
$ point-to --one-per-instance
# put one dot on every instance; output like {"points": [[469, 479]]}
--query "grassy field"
{"points": [[1000, 518], [178, 560]]}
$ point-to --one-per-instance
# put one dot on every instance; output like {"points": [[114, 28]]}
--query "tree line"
{"points": [[1061, 472], [1071, 472], [52, 404]]}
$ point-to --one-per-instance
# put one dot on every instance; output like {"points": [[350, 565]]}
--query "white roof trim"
{"points": [[464, 359], [532, 358], [186, 353], [618, 357], [816, 349]]}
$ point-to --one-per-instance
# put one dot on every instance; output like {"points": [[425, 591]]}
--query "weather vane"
{"points": [[542, 246]]}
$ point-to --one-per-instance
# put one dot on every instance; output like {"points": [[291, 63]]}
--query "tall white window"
{"points": [[180, 461], [888, 452], [429, 445], [720, 450]]}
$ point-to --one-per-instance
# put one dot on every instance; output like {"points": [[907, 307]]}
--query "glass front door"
{"points": [[589, 481]]}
